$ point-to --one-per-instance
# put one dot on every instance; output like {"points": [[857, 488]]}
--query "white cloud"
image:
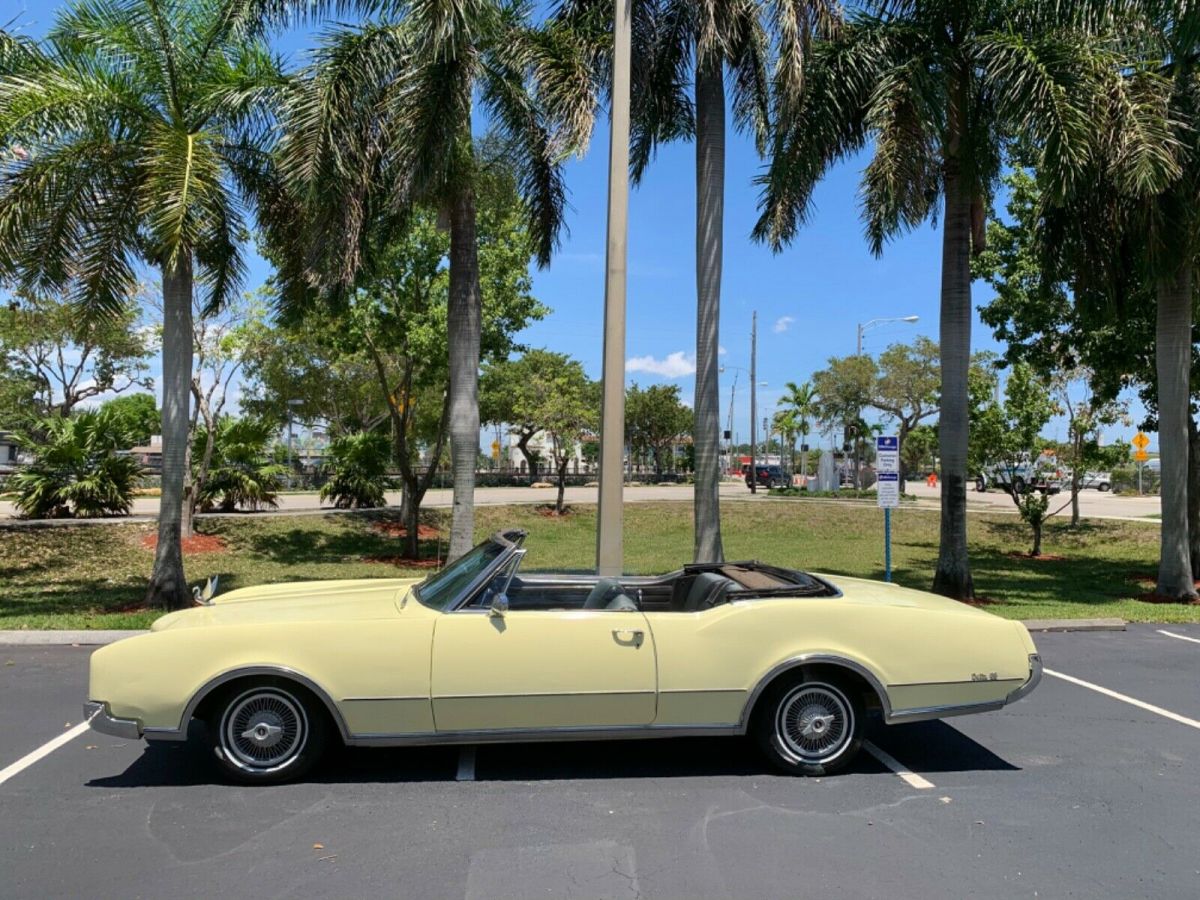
{"points": [[782, 324], [721, 351], [674, 365]]}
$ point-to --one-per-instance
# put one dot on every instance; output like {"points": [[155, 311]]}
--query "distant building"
{"points": [[149, 456], [10, 452]]}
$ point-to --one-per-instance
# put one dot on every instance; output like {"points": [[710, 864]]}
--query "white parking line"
{"points": [[1124, 698], [45, 750], [466, 764], [1182, 637], [908, 777]]}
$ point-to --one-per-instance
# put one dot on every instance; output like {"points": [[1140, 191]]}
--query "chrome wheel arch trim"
{"points": [[180, 733], [811, 659]]}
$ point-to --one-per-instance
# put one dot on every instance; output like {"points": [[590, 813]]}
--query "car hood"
{"points": [[883, 593], [367, 598]]}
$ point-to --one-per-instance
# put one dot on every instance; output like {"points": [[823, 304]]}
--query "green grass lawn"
{"points": [[94, 576]]}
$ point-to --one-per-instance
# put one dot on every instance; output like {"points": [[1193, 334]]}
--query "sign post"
{"points": [[887, 490], [1140, 443]]}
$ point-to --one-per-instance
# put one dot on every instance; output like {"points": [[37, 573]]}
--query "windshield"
{"points": [[441, 590]]}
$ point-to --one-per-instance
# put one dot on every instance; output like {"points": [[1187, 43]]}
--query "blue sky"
{"points": [[809, 298]]}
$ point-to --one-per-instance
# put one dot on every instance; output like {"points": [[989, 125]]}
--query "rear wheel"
{"points": [[267, 733], [809, 727], [980, 484], [1104, 486]]}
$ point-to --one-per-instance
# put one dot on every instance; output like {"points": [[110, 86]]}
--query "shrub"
{"points": [[357, 471], [242, 473], [77, 470]]}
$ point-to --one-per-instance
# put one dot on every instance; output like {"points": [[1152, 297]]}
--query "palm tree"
{"points": [[935, 87], [138, 131], [802, 400], [383, 120], [1119, 235], [682, 53]]}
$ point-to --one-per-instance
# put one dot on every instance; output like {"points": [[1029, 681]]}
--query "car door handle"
{"points": [[629, 637]]}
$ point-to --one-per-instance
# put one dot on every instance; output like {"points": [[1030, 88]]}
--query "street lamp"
{"points": [[873, 322]]}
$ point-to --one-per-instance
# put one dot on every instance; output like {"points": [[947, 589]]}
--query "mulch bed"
{"points": [[549, 511], [1045, 557], [395, 529], [404, 562], [197, 543], [982, 601], [1154, 596]]}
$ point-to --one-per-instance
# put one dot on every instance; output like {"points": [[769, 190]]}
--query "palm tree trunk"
{"points": [[1194, 497], [168, 587], [710, 211], [1173, 353], [464, 324], [953, 575]]}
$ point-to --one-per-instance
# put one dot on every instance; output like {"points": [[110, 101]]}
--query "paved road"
{"points": [[1070, 793], [1092, 503]]}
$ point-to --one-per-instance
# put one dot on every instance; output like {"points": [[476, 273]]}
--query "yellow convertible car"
{"points": [[479, 653]]}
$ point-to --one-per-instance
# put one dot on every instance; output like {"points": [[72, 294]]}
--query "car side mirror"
{"points": [[499, 606]]}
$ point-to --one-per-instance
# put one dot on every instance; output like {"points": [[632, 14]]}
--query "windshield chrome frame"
{"points": [[510, 542]]}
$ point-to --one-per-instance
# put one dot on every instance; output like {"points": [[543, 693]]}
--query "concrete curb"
{"points": [[1075, 624], [62, 638]]}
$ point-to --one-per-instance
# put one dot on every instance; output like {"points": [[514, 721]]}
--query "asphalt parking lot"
{"points": [[1070, 793]]}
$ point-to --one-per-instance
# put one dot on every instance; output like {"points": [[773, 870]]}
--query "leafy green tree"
{"points": [[919, 450], [136, 416], [503, 399], [655, 419], [557, 396], [242, 474], [383, 120], [907, 388], [935, 88], [683, 54], [51, 360], [77, 469], [357, 468], [1007, 436], [139, 130]]}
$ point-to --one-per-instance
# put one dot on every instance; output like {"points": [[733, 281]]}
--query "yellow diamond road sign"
{"points": [[1141, 456], [1141, 441]]}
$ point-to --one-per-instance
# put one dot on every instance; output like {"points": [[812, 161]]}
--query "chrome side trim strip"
{"points": [[383, 699], [796, 662], [923, 713], [96, 714], [437, 697], [538, 735], [896, 684]]}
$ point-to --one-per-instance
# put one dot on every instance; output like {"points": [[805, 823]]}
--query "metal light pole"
{"points": [[753, 400], [873, 322], [610, 518]]}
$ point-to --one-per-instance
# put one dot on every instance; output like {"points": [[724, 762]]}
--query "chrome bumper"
{"points": [[1035, 675], [97, 715]]}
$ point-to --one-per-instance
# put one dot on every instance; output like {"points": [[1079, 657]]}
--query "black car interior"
{"points": [[694, 588]]}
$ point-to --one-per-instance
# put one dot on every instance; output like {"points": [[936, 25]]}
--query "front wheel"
{"points": [[809, 727], [1104, 487], [980, 485], [267, 734]]}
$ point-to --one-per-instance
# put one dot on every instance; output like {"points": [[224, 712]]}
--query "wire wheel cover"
{"points": [[263, 729], [814, 722]]}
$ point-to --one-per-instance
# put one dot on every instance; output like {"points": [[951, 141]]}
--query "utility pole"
{"points": [[753, 400], [610, 517]]}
